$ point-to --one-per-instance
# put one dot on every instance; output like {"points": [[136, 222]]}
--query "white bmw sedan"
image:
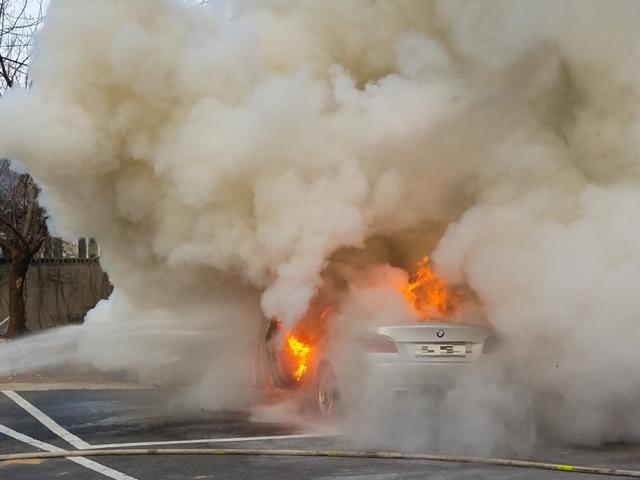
{"points": [[395, 358]]}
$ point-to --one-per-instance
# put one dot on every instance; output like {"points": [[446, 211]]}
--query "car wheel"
{"points": [[327, 395]]}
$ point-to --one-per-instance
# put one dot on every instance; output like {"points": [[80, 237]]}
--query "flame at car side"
{"points": [[301, 353]]}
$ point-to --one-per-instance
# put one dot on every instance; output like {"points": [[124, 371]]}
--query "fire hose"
{"points": [[323, 453]]}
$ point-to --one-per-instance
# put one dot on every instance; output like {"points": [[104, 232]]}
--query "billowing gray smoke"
{"points": [[225, 156]]}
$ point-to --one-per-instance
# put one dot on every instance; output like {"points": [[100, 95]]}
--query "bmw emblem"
{"points": [[440, 333]]}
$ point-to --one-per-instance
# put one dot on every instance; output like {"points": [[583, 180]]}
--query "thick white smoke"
{"points": [[225, 157]]}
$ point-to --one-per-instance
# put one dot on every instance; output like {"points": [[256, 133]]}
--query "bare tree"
{"points": [[19, 20], [23, 226], [23, 230]]}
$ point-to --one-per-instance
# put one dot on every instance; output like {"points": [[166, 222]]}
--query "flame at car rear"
{"points": [[428, 293], [300, 352], [426, 290]]}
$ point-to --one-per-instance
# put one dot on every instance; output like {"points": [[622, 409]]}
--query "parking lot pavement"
{"points": [[55, 420]]}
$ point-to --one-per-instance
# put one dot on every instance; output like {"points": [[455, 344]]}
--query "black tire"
{"points": [[327, 399]]}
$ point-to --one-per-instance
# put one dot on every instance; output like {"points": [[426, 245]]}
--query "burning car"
{"points": [[396, 357]]}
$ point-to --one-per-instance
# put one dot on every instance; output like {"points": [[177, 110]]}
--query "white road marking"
{"points": [[85, 462], [47, 421], [210, 440], [82, 445]]}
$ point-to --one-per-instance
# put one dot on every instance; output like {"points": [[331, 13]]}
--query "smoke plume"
{"points": [[228, 157]]}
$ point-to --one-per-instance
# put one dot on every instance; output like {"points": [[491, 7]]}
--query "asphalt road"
{"points": [[80, 419]]}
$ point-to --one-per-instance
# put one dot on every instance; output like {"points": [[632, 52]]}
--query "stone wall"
{"points": [[58, 292]]}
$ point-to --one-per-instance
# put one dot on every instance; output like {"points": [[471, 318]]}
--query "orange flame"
{"points": [[426, 289], [301, 353]]}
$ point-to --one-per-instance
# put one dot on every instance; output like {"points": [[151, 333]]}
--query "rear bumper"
{"points": [[383, 373], [406, 375]]}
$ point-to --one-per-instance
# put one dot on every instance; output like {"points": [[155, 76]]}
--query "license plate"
{"points": [[441, 350]]}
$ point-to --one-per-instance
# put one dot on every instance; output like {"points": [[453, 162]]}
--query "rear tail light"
{"points": [[491, 345], [378, 343]]}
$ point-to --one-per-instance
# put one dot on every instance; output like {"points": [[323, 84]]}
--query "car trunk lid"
{"points": [[438, 342]]}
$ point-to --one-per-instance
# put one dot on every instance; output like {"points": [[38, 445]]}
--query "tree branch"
{"points": [[5, 246], [13, 229], [31, 205], [4, 73]]}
